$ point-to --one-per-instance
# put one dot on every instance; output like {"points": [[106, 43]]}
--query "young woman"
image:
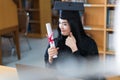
{"points": [[72, 41]]}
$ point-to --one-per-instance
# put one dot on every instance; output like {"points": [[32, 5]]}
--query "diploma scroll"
{"points": [[50, 36]]}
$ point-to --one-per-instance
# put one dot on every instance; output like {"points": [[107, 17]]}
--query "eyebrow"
{"points": [[64, 22]]}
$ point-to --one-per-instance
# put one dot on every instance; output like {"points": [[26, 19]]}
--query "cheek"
{"points": [[68, 29]]}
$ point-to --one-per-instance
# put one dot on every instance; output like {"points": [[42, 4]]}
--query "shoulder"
{"points": [[89, 42], [90, 46], [88, 39], [56, 40]]}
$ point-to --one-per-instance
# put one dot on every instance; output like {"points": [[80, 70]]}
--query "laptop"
{"points": [[28, 72]]}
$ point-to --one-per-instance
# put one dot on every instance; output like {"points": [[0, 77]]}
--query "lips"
{"points": [[62, 30]]}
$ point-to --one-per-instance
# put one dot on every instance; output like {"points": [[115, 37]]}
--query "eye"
{"points": [[65, 24]]}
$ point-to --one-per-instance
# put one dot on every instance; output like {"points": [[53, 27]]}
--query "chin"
{"points": [[64, 34]]}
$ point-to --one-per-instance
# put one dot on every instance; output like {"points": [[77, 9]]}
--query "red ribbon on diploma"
{"points": [[50, 40]]}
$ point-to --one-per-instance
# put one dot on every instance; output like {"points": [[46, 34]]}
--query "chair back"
{"points": [[23, 21]]}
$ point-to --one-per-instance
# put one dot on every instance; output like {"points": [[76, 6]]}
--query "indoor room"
{"points": [[73, 39]]}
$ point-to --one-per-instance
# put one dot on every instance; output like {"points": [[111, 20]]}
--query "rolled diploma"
{"points": [[50, 34]]}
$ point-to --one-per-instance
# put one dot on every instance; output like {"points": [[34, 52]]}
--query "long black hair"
{"points": [[75, 23]]}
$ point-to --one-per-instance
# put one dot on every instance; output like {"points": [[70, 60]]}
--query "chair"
{"points": [[23, 21], [11, 41]]}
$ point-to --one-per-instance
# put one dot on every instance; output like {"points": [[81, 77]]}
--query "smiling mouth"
{"points": [[62, 30]]}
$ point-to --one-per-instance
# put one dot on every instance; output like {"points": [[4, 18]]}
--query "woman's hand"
{"points": [[52, 51], [71, 42]]}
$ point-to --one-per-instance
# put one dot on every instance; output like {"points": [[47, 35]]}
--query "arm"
{"points": [[88, 49], [48, 57]]}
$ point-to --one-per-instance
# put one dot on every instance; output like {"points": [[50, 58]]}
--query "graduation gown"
{"points": [[87, 50]]}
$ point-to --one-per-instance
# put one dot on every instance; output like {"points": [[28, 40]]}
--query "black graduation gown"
{"points": [[88, 50]]}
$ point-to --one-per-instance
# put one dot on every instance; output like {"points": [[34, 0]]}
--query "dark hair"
{"points": [[75, 23]]}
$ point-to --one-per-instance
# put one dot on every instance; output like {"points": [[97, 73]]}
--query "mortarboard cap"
{"points": [[71, 6], [68, 10]]}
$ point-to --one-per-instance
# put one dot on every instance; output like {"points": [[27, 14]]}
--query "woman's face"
{"points": [[64, 27]]}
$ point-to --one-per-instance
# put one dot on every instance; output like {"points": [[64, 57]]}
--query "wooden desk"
{"points": [[16, 39], [8, 73], [114, 78]]}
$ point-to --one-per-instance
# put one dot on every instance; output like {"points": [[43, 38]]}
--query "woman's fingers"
{"points": [[50, 59], [52, 51]]}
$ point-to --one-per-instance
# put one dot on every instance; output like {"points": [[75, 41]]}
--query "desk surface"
{"points": [[114, 78], [8, 73]]}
